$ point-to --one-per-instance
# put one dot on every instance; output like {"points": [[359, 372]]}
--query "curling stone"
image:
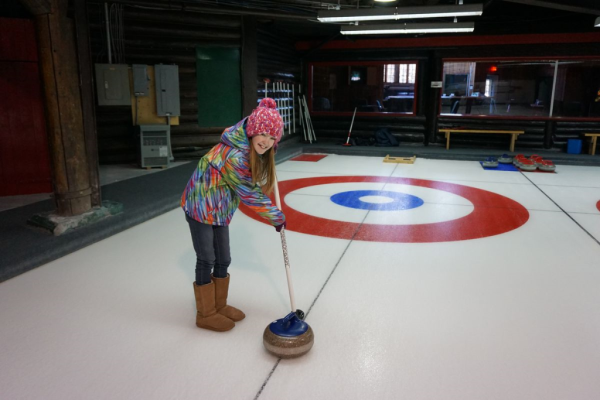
{"points": [[505, 159], [538, 160], [288, 337], [547, 166], [527, 165], [490, 162], [517, 160]]}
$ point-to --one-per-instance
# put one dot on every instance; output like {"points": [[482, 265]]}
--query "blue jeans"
{"points": [[211, 243]]}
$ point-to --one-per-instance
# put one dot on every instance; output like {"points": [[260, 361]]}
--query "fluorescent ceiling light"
{"points": [[380, 14], [597, 23], [408, 28]]}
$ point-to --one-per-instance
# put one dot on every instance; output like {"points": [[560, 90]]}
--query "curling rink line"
{"points": [[580, 200], [511, 316], [349, 242]]}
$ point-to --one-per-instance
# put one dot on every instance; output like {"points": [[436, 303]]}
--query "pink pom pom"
{"points": [[268, 102]]}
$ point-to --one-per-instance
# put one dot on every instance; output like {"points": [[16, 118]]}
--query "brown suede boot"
{"points": [[221, 290], [207, 316]]}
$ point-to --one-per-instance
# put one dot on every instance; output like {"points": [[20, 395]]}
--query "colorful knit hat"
{"points": [[265, 119]]}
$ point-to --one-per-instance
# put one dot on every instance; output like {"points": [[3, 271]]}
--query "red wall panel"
{"points": [[17, 40], [24, 156]]}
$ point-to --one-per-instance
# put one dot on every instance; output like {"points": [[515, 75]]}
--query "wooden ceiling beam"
{"points": [[38, 7]]}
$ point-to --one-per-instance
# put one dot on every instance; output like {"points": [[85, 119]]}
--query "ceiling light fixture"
{"points": [[597, 23], [408, 28], [381, 14]]}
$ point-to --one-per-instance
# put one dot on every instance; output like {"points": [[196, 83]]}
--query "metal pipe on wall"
{"points": [[107, 23], [553, 88]]}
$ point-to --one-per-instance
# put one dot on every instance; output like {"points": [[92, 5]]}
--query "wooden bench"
{"points": [[593, 138], [514, 134]]}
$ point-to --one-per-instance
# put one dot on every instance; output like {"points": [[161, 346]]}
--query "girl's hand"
{"points": [[278, 228]]}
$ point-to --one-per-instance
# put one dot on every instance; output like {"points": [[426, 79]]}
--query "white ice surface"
{"points": [[508, 317]]}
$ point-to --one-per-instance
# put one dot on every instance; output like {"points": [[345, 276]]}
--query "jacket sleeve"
{"points": [[236, 173]]}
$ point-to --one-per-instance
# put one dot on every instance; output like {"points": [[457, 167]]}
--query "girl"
{"points": [[240, 168]]}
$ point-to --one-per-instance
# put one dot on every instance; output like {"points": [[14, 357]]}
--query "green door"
{"points": [[219, 86]]}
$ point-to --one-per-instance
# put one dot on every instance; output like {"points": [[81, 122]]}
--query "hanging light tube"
{"points": [[381, 14], [457, 27]]}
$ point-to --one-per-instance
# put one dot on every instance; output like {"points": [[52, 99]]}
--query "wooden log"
{"points": [[38, 7], [150, 59], [84, 58], [183, 18], [195, 141], [63, 109], [183, 34], [156, 43], [190, 8]]}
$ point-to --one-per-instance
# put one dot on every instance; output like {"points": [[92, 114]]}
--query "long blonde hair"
{"points": [[263, 169]]}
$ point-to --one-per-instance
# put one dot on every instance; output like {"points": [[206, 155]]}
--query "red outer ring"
{"points": [[493, 214], [598, 205]]}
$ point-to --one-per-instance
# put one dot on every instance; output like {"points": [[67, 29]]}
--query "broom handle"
{"points": [[352, 123], [285, 253]]}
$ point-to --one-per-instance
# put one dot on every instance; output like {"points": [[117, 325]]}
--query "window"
{"points": [[576, 89], [390, 73], [403, 73], [400, 73], [522, 88], [412, 73], [375, 87]]}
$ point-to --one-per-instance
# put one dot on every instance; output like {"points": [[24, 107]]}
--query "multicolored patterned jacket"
{"points": [[222, 179]]}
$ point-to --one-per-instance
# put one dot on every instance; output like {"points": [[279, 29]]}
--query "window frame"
{"points": [[552, 58], [376, 114]]}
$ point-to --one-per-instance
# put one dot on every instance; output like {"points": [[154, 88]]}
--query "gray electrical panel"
{"points": [[154, 145], [167, 90], [112, 85], [141, 81]]}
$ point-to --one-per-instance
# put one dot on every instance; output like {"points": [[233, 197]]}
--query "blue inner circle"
{"points": [[401, 201]]}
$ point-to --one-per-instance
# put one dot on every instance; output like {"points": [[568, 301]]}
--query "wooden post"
{"points": [[549, 131], [82, 32], [433, 105], [424, 94], [249, 65], [60, 77]]}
